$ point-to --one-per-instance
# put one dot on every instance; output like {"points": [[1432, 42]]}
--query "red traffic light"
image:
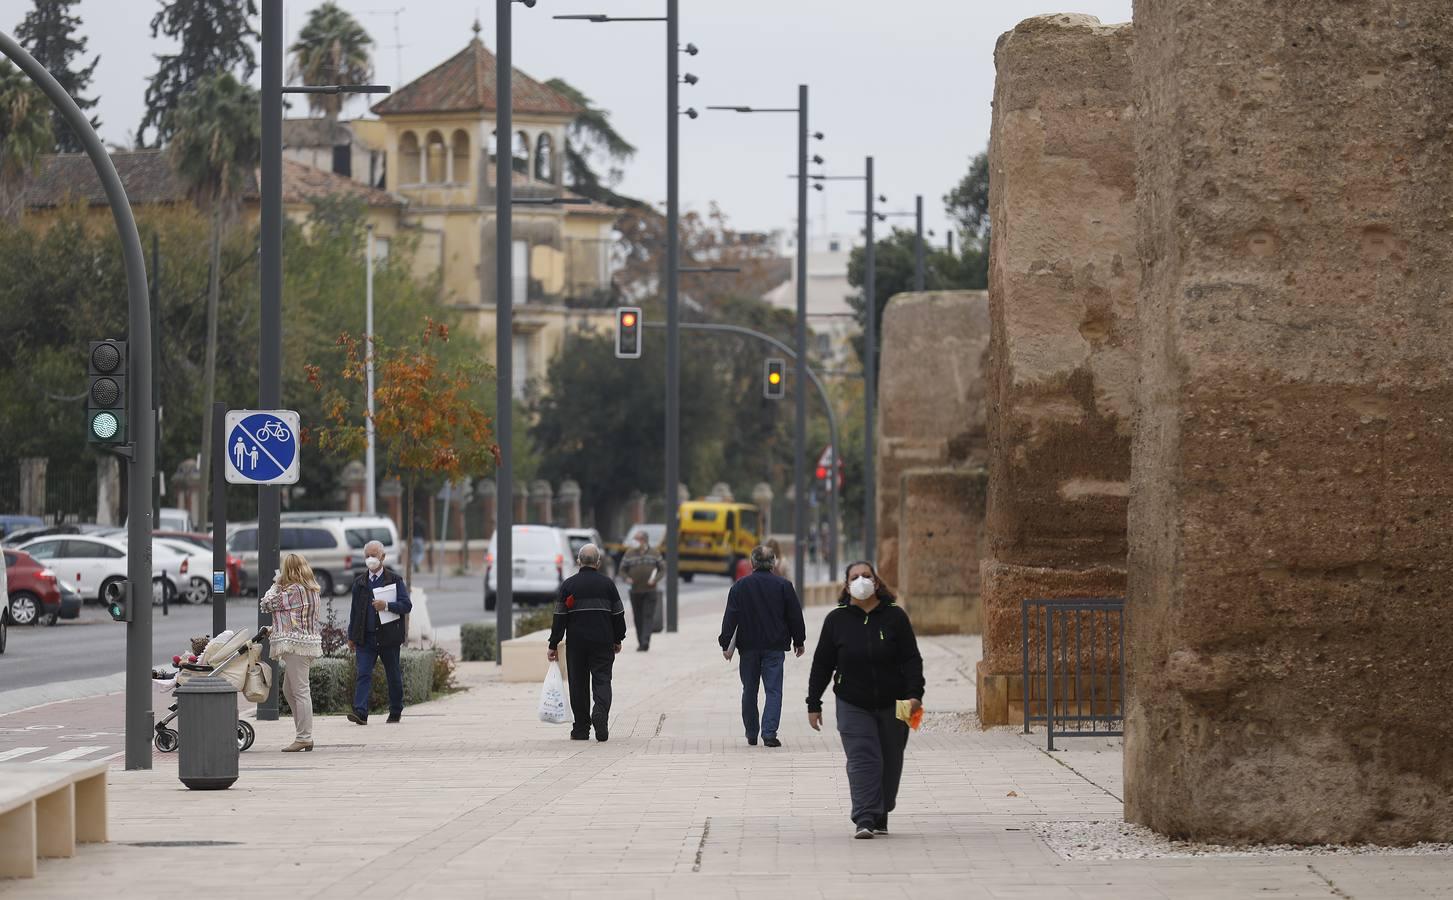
{"points": [[821, 473]]}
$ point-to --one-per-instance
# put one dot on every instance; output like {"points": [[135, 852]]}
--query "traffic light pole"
{"points": [[799, 431], [503, 330], [832, 425], [269, 393], [673, 319], [870, 381], [141, 417]]}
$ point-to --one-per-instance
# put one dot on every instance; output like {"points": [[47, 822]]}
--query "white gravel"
{"points": [[949, 723], [1122, 840]]}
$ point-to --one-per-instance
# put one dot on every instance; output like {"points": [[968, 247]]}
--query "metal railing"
{"points": [[1074, 666]]}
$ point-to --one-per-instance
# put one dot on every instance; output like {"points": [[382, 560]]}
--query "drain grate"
{"points": [[184, 843]]}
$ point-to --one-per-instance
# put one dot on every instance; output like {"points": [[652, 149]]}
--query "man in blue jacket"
{"points": [[763, 617], [372, 639]]}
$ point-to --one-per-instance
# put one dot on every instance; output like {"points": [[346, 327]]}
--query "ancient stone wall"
{"points": [[931, 423], [1290, 673], [1063, 277]]}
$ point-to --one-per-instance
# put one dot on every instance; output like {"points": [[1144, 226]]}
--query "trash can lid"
{"points": [[207, 684]]}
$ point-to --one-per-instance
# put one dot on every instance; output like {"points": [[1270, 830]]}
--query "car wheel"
{"points": [[198, 590], [24, 608], [687, 576], [325, 584], [4, 630], [49, 619]]}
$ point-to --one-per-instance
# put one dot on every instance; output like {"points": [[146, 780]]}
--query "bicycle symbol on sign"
{"points": [[274, 429]]}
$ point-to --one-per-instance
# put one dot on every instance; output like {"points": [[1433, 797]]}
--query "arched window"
{"points": [[459, 148], [522, 152], [409, 158], [544, 159], [435, 159]]}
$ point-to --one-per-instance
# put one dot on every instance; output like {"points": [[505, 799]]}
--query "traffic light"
{"points": [[106, 396], [117, 604], [628, 332], [774, 380]]}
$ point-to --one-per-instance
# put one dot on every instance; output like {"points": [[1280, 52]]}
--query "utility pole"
{"points": [[870, 379], [918, 247], [673, 320], [370, 455], [504, 326], [799, 388]]}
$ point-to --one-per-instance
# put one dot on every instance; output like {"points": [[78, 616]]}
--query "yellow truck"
{"points": [[715, 536]]}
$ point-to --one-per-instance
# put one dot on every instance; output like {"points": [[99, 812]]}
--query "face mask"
{"points": [[373, 563], [862, 588]]}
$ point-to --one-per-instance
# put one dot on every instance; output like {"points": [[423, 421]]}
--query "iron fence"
{"points": [[1074, 666]]}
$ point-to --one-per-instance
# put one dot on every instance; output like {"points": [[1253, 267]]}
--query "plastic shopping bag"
{"points": [[554, 702]]}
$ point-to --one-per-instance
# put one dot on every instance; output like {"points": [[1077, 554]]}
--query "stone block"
{"points": [[1004, 589], [940, 534], [1289, 562], [931, 401], [1063, 279]]}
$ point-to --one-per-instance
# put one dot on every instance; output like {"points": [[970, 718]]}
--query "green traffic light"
{"points": [[105, 425]]}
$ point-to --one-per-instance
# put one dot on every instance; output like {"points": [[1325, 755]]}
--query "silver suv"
{"points": [[323, 543]]}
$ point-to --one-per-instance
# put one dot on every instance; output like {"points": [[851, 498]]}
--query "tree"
{"points": [[591, 137], [424, 423], [49, 33], [968, 202], [332, 48], [215, 37], [25, 134], [215, 149]]}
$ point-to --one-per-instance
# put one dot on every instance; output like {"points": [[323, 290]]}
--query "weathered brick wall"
{"points": [[930, 397], [1290, 626], [1063, 277]]}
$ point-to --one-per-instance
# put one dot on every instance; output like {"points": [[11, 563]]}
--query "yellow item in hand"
{"points": [[912, 717]]}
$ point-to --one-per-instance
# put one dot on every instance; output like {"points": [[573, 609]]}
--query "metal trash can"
{"points": [[207, 757]]}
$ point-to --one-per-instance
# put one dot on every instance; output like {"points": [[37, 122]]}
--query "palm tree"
{"points": [[331, 49], [591, 134], [215, 147], [25, 133]]}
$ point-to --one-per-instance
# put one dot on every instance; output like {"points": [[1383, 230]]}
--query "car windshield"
{"points": [[703, 515], [576, 542]]}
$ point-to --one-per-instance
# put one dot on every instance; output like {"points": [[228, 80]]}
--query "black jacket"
{"points": [[588, 608], [363, 614], [764, 613], [874, 657]]}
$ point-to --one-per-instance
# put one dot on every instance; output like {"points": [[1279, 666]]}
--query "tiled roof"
{"points": [[149, 179], [314, 133], [466, 83]]}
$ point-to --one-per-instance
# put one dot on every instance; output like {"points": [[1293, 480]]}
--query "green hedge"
{"points": [[535, 620], [331, 678], [476, 642]]}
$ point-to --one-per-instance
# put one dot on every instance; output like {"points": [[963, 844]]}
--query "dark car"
{"points": [[34, 594], [234, 565], [16, 538], [11, 524]]}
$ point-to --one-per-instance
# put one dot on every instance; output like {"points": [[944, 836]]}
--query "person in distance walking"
{"points": [[763, 618], [591, 618]]}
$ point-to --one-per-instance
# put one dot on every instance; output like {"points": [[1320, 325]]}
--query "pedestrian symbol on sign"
{"points": [[261, 448]]}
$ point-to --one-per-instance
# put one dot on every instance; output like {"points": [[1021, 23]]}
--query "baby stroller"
{"points": [[236, 660]]}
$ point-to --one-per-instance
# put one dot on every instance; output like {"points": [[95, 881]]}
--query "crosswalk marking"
{"points": [[73, 753], [7, 755]]}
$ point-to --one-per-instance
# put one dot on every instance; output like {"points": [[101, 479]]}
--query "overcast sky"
{"points": [[907, 81]]}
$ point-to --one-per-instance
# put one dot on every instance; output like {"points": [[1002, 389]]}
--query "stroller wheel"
{"points": [[166, 740], [245, 735]]}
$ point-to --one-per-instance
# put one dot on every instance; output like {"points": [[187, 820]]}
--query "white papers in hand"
{"points": [[388, 593]]}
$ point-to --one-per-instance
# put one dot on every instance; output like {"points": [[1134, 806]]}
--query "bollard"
{"points": [[207, 757]]}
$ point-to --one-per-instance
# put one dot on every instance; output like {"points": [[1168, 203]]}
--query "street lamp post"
{"points": [[371, 453], [669, 275], [269, 497], [918, 247], [799, 431]]}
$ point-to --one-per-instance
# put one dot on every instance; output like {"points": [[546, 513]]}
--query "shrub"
{"points": [[335, 637], [443, 672], [535, 620], [476, 642], [331, 680]]}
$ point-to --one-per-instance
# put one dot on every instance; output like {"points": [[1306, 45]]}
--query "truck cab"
{"points": [[715, 536]]}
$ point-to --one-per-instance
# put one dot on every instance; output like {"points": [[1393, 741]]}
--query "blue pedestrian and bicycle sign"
{"points": [[262, 446]]}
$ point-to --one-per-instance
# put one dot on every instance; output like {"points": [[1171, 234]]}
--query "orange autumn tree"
{"points": [[425, 423]]}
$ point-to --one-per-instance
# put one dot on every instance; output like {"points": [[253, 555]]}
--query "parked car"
{"points": [[358, 529], [24, 535], [32, 591], [324, 543], [71, 600], [542, 560], [170, 518], [196, 586], [579, 537], [198, 539], [4, 612], [92, 564], [11, 524]]}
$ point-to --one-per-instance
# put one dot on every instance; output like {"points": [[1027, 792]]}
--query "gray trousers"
{"points": [[874, 741]]}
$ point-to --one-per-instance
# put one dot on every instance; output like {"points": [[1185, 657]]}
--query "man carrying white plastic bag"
{"points": [[589, 612], [554, 702]]}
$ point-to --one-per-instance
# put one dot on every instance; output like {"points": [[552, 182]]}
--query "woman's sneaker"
{"points": [[880, 826], [864, 833]]}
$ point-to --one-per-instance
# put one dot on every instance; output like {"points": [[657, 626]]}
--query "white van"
{"points": [[323, 543], [542, 560], [358, 530]]}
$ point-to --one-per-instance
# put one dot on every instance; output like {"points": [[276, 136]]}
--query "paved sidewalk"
{"points": [[472, 797]]}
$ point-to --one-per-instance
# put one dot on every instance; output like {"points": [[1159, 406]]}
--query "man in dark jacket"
{"points": [[591, 618], [371, 639], [763, 616]]}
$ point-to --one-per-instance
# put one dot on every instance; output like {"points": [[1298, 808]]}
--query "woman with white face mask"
{"points": [[868, 652]]}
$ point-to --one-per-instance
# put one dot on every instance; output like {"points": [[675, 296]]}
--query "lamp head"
{"points": [[691, 112], [691, 50], [690, 79]]}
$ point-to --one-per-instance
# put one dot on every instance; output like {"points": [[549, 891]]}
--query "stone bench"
{"points": [[46, 809], [523, 658]]}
